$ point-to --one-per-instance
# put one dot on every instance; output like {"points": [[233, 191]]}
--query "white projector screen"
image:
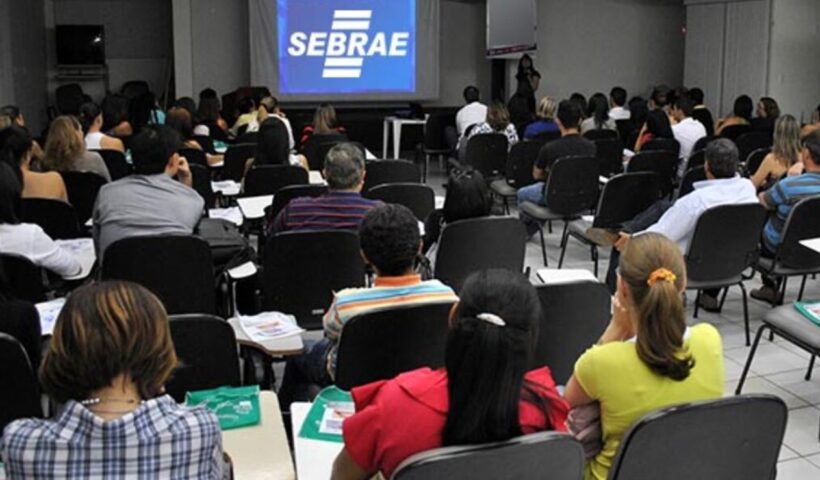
{"points": [[511, 27]]}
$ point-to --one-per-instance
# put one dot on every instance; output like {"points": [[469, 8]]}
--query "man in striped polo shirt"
{"points": [[343, 207], [390, 243], [784, 195]]}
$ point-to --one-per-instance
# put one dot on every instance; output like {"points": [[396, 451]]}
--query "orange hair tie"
{"points": [[661, 274]]}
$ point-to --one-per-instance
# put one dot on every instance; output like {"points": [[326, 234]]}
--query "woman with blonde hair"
{"points": [[325, 122], [785, 153], [546, 119], [647, 358], [65, 149]]}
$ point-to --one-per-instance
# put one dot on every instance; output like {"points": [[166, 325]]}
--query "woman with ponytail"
{"points": [[647, 358], [485, 393]]}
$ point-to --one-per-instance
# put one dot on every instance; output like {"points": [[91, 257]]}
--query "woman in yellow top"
{"points": [[647, 358], [784, 154]]}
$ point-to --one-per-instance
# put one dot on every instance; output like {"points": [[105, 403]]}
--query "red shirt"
{"points": [[401, 417]]}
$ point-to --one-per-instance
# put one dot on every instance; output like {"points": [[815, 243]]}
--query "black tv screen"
{"points": [[80, 44]]}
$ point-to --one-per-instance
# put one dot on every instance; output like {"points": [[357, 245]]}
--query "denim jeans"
{"points": [[531, 193], [305, 370]]}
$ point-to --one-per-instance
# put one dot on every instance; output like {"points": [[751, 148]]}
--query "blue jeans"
{"points": [[305, 370], [531, 193]]}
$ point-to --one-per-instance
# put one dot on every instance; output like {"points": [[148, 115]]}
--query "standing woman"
{"points": [[785, 153], [66, 152], [528, 80], [91, 119]]}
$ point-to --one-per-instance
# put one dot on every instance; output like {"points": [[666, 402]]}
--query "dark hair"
{"points": [[11, 191], [580, 100], [153, 147], [272, 145], [15, 142], [390, 239], [141, 109], [246, 105], [467, 196], [598, 109], [722, 158], [208, 111], [812, 143], [638, 110], [10, 110], [180, 120], [685, 104], [743, 107], [115, 111], [343, 166], [89, 111], [471, 94], [696, 94], [489, 361], [660, 96], [618, 96], [657, 123], [569, 114], [521, 66], [771, 107], [207, 93]]}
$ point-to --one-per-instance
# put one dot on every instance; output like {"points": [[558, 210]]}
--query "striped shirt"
{"points": [[160, 439], [784, 195], [387, 292], [332, 211]]}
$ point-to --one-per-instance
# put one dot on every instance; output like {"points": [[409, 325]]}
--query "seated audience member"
{"points": [[580, 100], [14, 114], [269, 108], [687, 131], [188, 104], [700, 112], [5, 121], [143, 110], [767, 112], [324, 123], [180, 120], [472, 113], [598, 115], [115, 116], [28, 240], [390, 243], [617, 100], [65, 149], [343, 207], [785, 153], [92, 121], [660, 98], [497, 121], [211, 124], [656, 126], [247, 114], [545, 122], [647, 358], [814, 125], [741, 114], [21, 320], [273, 144], [780, 199], [17, 149], [151, 202], [107, 364], [488, 354]]}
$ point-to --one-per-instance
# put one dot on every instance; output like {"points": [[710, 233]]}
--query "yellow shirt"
{"points": [[628, 389]]}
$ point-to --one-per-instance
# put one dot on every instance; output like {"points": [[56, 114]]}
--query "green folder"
{"points": [[330, 397], [805, 309], [234, 406]]}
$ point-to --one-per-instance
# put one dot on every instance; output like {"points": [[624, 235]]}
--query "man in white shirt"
{"points": [[471, 114], [687, 130], [617, 100], [269, 107]]}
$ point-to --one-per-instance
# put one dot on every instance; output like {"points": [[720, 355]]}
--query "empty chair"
{"points": [[554, 455], [201, 182], [115, 161], [733, 132], [435, 143], [487, 153], [692, 176], [735, 437], [236, 157], [312, 149], [177, 269], [268, 179], [28, 278], [382, 344], [82, 188], [379, 172], [20, 396], [755, 159], [518, 171], [419, 198], [469, 246], [600, 134], [751, 141], [609, 152], [662, 162], [663, 144], [55, 217], [206, 348], [286, 194], [194, 156]]}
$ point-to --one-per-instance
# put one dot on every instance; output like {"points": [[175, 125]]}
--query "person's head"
{"points": [[16, 147], [498, 117], [580, 100], [786, 146], [390, 240], [115, 111], [324, 119], [14, 114], [569, 116], [105, 331], [638, 110], [467, 196], [660, 97], [657, 123], [493, 331], [64, 144], [471, 94], [207, 93], [811, 151], [269, 104], [767, 107], [246, 105], [208, 111], [598, 109], [617, 96], [272, 144], [546, 108], [180, 120], [743, 107], [651, 280], [697, 96], [344, 167], [91, 117], [722, 158], [683, 107], [11, 191], [525, 63], [154, 150]]}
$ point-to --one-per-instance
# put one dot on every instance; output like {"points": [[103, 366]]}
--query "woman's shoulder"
{"points": [[704, 334]]}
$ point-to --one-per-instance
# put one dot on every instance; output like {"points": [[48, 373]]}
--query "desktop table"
{"points": [[314, 458]]}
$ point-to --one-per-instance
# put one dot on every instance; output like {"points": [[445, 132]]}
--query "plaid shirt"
{"points": [[161, 439]]}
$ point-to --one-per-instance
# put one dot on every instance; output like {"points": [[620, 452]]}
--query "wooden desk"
{"points": [[314, 458], [261, 451]]}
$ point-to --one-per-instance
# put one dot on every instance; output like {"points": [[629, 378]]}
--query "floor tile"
{"points": [[795, 383], [769, 358], [762, 385], [797, 469], [801, 431]]}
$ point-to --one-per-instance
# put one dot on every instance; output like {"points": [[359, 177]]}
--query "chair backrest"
{"points": [[434, 138], [702, 143], [734, 437], [206, 142], [625, 196], [755, 159], [662, 162], [82, 189], [610, 153], [268, 179], [572, 186], [662, 144], [550, 455], [696, 159], [201, 182], [69, 98], [487, 153], [27, 278], [803, 223], [725, 242], [732, 132], [625, 129], [380, 172], [194, 156], [248, 137], [520, 160], [115, 161], [236, 156], [206, 348], [692, 176], [20, 396], [55, 217], [178, 269], [384, 343], [303, 269], [286, 194], [751, 141], [476, 244], [573, 315], [418, 197], [600, 134], [312, 149]]}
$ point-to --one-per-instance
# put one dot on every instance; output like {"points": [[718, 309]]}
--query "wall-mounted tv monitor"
{"points": [[80, 44]]}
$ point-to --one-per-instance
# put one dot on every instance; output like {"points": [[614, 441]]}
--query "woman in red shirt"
{"points": [[485, 393]]}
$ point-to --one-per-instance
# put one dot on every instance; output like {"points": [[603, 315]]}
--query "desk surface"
{"points": [[261, 451], [554, 276], [253, 208], [812, 243], [314, 458]]}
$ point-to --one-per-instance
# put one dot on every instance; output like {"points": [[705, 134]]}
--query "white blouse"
{"points": [[30, 241]]}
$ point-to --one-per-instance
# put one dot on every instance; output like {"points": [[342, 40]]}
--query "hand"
{"points": [[623, 241], [620, 326], [184, 171]]}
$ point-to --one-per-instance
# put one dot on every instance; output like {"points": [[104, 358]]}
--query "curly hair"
{"points": [[390, 239]]}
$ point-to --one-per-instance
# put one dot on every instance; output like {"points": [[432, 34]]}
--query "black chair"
{"points": [[600, 134], [696, 159], [573, 317], [20, 397], [206, 348], [724, 245], [205, 142], [236, 157], [733, 132], [469, 246], [178, 269], [69, 98], [626, 129], [27, 280], [194, 156], [268, 179], [662, 162], [755, 159], [118, 166], [518, 174], [418, 197], [749, 142], [554, 455], [692, 176], [435, 143], [201, 182], [286, 194], [487, 153], [571, 190], [82, 189], [735, 437], [312, 149], [303, 269], [55, 217], [610, 154], [702, 143], [380, 172], [247, 137], [545, 137], [662, 144], [382, 344]]}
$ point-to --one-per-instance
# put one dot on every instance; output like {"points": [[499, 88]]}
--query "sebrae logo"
{"points": [[348, 43]]}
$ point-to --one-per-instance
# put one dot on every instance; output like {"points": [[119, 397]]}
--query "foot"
{"points": [[767, 294], [709, 303], [602, 236]]}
